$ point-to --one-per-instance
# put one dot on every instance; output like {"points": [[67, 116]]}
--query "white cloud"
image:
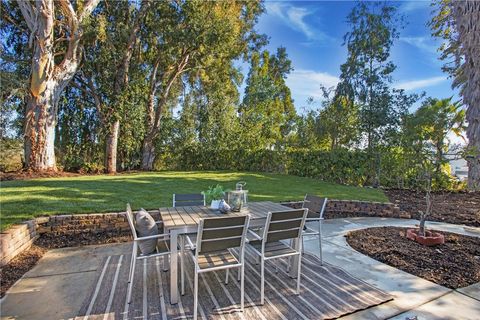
{"points": [[409, 6], [306, 83], [423, 43], [294, 18], [418, 84]]}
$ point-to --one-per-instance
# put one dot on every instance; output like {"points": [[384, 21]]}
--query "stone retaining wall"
{"points": [[20, 237], [354, 208], [16, 239]]}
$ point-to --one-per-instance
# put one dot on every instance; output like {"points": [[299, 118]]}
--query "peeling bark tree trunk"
{"points": [[39, 132], [467, 17], [48, 80], [111, 147]]}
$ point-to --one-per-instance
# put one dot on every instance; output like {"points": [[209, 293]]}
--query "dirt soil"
{"points": [[454, 264], [449, 207], [25, 261], [27, 175]]}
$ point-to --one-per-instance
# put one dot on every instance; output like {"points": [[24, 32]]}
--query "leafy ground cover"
{"points": [[454, 264], [23, 199]]}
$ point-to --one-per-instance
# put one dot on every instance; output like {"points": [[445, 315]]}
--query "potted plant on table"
{"points": [[214, 195]]}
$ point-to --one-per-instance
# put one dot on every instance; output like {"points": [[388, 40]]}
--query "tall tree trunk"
{"points": [[154, 116], [111, 147], [39, 132], [39, 127], [148, 152], [467, 17], [48, 79]]}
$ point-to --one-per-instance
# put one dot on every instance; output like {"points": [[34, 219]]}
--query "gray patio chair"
{"points": [[161, 249], [212, 251], [316, 208], [188, 199], [185, 200], [282, 225]]}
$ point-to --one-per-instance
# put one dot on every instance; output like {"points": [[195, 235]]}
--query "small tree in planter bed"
{"points": [[421, 235]]}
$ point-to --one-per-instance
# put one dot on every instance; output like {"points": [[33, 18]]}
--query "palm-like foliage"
{"points": [[458, 23]]}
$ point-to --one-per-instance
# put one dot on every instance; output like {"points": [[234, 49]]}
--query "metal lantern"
{"points": [[238, 199]]}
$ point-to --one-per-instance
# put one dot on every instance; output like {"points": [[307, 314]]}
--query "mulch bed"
{"points": [[449, 207], [28, 175], [455, 264], [25, 261], [16, 268]]}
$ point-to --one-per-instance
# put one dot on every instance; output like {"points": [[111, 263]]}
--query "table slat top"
{"points": [[189, 216]]}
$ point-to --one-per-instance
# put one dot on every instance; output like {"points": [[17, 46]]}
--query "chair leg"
{"points": [[182, 269], [239, 275], [303, 244], [165, 263], [132, 262], [298, 273], [226, 276], [262, 283], [320, 241], [242, 289], [132, 273], [195, 296]]}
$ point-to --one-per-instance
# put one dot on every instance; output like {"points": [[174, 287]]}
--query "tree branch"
{"points": [[29, 13], [87, 9]]}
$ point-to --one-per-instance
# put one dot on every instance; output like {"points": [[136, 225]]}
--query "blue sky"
{"points": [[312, 32]]}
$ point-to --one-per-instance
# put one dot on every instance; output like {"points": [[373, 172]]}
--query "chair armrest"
{"points": [[156, 236], [255, 235], [189, 242]]}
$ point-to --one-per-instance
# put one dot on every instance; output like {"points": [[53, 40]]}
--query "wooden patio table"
{"points": [[182, 220]]}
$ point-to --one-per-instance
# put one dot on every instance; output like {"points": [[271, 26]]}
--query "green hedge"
{"points": [[387, 168]]}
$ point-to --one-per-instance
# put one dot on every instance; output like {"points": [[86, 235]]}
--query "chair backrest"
{"points": [[283, 225], [222, 233], [315, 205], [131, 221], [188, 199]]}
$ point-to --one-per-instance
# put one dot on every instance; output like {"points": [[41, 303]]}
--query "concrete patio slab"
{"points": [[472, 291], [48, 297], [451, 306], [77, 259], [58, 285]]}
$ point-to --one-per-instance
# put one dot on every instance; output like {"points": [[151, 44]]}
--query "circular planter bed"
{"points": [[453, 264]]}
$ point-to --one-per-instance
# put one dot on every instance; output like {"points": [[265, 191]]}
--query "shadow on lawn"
{"points": [[151, 190]]}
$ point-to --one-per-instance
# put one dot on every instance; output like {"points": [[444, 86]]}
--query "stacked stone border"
{"points": [[20, 237]]}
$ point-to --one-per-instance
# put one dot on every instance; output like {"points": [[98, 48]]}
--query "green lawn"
{"points": [[22, 200]]}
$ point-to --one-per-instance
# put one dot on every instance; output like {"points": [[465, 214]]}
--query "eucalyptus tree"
{"points": [[192, 39], [366, 76], [113, 59], [457, 22], [267, 111], [55, 33]]}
